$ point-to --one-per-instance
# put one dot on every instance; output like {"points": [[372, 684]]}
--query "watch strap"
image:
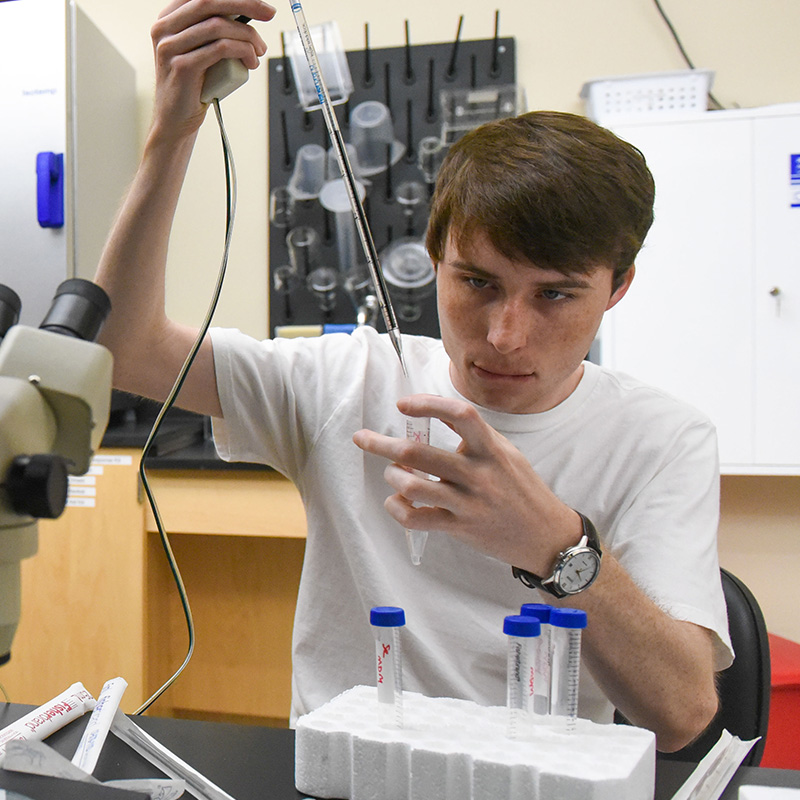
{"points": [[532, 581]]}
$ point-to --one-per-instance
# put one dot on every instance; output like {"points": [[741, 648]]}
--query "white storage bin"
{"points": [[673, 93]]}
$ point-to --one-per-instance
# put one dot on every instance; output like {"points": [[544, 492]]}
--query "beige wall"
{"points": [[751, 44], [760, 542]]}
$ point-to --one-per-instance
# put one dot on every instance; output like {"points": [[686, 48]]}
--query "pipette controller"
{"points": [[340, 151], [523, 638], [386, 622], [566, 625], [225, 76]]}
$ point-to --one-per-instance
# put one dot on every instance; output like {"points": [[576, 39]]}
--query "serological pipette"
{"points": [[416, 539], [340, 151]]}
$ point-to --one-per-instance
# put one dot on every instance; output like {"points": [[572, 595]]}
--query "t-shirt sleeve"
{"points": [[275, 396], [667, 538], [278, 395]]}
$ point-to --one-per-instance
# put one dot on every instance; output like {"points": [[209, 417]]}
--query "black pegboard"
{"points": [[409, 80]]}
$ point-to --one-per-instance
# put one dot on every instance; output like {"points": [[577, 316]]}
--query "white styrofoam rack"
{"points": [[457, 750], [673, 93]]}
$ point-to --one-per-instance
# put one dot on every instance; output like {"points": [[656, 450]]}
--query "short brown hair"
{"points": [[548, 187]]}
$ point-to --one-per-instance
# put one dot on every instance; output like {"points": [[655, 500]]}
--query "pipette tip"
{"points": [[394, 335], [416, 545]]}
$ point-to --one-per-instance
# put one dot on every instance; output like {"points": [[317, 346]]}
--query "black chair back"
{"points": [[744, 688]]}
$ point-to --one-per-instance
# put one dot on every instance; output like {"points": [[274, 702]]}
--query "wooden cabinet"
{"points": [[239, 539], [99, 599], [713, 315], [84, 593]]}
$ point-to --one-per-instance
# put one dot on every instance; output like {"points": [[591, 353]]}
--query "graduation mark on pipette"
{"points": [[362, 226]]}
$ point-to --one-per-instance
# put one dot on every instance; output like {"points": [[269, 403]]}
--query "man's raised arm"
{"points": [[189, 37]]}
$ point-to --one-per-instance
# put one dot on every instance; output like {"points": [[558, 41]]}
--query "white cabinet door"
{"points": [[776, 289], [33, 101], [686, 325], [713, 315], [64, 89]]}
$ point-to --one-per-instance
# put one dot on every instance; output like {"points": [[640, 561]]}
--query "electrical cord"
{"points": [[682, 49], [230, 191]]}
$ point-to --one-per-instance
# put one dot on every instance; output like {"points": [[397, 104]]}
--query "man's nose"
{"points": [[508, 327]]}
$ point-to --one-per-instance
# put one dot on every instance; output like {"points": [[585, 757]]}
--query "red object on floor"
{"points": [[782, 749]]}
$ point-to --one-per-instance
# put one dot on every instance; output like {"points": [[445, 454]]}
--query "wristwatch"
{"points": [[575, 569]]}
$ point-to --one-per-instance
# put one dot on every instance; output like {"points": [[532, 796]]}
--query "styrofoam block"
{"points": [[457, 750]]}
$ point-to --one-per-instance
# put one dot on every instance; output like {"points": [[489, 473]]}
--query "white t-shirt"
{"points": [[640, 464]]}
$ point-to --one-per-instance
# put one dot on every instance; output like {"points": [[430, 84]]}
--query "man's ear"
{"points": [[622, 289]]}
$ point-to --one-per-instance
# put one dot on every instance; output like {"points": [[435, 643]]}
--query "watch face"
{"points": [[578, 570]]}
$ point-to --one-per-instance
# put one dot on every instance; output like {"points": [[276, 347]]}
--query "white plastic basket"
{"points": [[673, 93]]}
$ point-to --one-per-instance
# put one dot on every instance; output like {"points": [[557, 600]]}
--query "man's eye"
{"points": [[553, 294], [477, 283]]}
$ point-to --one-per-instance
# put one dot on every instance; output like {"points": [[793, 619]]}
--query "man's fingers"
{"points": [[410, 454], [462, 418], [189, 12]]}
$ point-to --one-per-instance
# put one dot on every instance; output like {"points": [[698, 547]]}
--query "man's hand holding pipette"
{"points": [[189, 37]]}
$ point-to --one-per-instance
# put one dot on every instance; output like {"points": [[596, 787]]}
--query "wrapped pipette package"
{"points": [[457, 750]]}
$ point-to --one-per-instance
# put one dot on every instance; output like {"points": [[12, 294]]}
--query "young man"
{"points": [[535, 225]]}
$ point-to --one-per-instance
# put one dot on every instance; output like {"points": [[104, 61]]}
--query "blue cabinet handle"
{"points": [[50, 189]]}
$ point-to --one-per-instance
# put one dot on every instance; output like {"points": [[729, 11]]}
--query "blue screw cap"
{"points": [[387, 617], [540, 611], [568, 618], [518, 625], [338, 327]]}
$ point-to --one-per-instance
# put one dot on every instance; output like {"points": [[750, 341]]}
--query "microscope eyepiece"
{"points": [[10, 306], [79, 309]]}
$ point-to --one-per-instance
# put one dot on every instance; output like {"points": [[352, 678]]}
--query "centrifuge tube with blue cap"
{"points": [[386, 622], [566, 625], [523, 638], [541, 698]]}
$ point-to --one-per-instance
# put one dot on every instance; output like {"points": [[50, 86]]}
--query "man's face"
{"points": [[516, 334]]}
